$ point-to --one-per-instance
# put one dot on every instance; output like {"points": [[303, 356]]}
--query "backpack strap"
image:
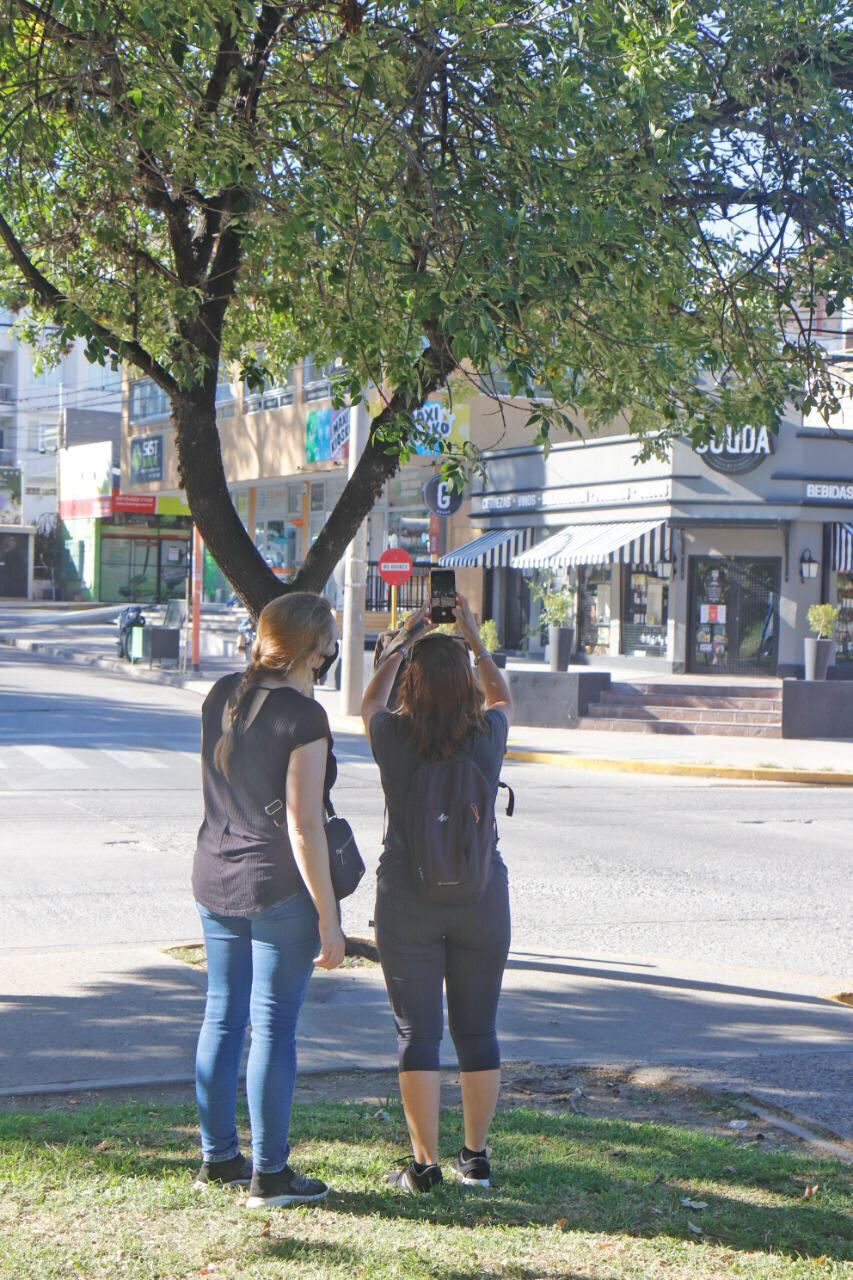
{"points": [[510, 800]]}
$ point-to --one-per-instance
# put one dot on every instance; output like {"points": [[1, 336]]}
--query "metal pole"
{"points": [[355, 580], [198, 574], [393, 608]]}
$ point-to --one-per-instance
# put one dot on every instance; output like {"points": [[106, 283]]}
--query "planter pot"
{"points": [[561, 642], [499, 659], [818, 655]]}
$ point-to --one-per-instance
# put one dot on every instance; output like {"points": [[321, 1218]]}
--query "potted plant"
{"points": [[823, 619], [557, 611], [491, 639]]}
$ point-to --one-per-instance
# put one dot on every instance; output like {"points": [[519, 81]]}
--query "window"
{"points": [[48, 437], [316, 379], [275, 395], [147, 401], [294, 500]]}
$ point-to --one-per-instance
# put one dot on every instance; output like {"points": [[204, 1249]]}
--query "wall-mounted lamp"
{"points": [[809, 567], [665, 568]]}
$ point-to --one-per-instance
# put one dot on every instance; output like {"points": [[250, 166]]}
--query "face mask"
{"points": [[326, 665]]}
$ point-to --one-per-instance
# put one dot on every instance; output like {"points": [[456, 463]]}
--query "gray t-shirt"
{"points": [[399, 758]]}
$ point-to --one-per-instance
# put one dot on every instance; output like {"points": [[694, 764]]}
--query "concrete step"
{"points": [[685, 715], [613, 697], [731, 730], [709, 690]]}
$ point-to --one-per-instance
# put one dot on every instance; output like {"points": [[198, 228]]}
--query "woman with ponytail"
{"points": [[261, 882]]}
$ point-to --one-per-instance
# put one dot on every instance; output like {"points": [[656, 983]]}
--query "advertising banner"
{"points": [[11, 511], [86, 480], [146, 459], [327, 435]]}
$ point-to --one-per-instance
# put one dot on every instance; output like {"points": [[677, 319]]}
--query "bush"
{"points": [[823, 619], [489, 635]]}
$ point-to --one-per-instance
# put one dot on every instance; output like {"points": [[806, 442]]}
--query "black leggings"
{"points": [[422, 947]]}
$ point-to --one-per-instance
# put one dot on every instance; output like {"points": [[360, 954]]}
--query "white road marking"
{"points": [[51, 757], [135, 759], [195, 756]]}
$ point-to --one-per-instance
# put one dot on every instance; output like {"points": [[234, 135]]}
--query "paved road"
{"points": [[99, 799], [654, 918]]}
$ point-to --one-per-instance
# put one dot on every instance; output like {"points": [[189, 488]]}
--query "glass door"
{"points": [[734, 615]]}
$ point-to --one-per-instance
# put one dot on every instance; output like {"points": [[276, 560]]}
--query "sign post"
{"points": [[198, 575], [395, 567]]}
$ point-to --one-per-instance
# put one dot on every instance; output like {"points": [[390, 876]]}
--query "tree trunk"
{"points": [[202, 476]]}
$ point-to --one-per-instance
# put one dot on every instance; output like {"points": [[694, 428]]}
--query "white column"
{"points": [[355, 580]]}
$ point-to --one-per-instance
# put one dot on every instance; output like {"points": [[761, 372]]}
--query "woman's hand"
{"points": [[333, 946], [466, 622]]}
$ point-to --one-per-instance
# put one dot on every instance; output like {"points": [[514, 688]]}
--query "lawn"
{"points": [[105, 1191]]}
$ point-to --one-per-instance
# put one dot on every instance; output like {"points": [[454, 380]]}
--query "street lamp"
{"points": [[809, 567]]}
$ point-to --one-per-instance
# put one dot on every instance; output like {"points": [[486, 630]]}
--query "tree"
{"points": [[634, 209]]}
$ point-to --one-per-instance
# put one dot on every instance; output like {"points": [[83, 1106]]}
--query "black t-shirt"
{"points": [[243, 862], [399, 758]]}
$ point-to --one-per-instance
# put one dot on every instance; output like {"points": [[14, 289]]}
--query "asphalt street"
{"points": [[654, 918], [100, 803]]}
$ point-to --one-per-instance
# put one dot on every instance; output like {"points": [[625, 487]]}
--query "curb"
{"points": [[826, 777], [674, 768]]}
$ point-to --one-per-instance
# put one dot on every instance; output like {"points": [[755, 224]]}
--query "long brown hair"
{"points": [[440, 697], [290, 629]]}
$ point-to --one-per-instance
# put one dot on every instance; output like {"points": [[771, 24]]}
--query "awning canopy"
{"points": [[624, 542], [489, 551], [842, 548]]}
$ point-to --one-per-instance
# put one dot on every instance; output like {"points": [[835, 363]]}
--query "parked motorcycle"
{"points": [[131, 616]]}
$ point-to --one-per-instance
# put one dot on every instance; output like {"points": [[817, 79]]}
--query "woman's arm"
{"points": [[496, 689], [306, 776], [378, 692]]}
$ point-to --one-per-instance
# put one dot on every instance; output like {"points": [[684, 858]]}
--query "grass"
{"points": [[105, 1191]]}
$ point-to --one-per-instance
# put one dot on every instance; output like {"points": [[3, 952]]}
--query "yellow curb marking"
{"points": [[825, 778]]}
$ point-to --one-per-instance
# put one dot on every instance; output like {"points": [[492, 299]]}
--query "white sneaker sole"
{"points": [[483, 1183], [206, 1186], [281, 1202]]}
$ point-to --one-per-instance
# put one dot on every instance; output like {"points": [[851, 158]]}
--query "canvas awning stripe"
{"points": [[490, 551], [842, 548], [637, 542]]}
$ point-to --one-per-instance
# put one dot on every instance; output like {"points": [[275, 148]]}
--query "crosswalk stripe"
{"points": [[135, 759], [51, 757], [195, 756]]}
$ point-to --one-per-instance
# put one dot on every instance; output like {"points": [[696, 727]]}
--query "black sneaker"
{"points": [[411, 1180], [270, 1190], [225, 1173], [474, 1170]]}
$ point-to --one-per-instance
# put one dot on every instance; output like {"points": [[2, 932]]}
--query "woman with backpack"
{"points": [[442, 907], [263, 889]]}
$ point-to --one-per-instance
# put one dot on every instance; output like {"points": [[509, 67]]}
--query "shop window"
{"points": [[294, 500], [644, 614], [595, 609], [844, 630], [409, 530], [318, 497]]}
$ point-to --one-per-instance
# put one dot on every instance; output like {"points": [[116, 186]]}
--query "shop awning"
{"points": [[842, 548], [623, 542], [489, 551]]}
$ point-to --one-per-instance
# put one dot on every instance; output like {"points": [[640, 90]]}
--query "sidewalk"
{"points": [[822, 762]]}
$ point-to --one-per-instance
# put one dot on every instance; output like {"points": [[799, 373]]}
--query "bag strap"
{"points": [[510, 799]]}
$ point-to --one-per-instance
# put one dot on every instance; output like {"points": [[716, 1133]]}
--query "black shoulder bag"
{"points": [[346, 865]]}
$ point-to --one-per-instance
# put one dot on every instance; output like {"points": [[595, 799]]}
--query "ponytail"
{"points": [[238, 708]]}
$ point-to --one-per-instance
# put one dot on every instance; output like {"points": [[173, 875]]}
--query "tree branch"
{"points": [[57, 302]]}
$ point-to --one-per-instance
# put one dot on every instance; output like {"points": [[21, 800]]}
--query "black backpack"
{"points": [[451, 830]]}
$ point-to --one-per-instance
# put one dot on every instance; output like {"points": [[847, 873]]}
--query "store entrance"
{"points": [[734, 616]]}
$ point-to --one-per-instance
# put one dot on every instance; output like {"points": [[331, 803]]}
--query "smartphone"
{"points": [[442, 595]]}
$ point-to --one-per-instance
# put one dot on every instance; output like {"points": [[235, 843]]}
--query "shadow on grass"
{"points": [[581, 1173], [315, 1255]]}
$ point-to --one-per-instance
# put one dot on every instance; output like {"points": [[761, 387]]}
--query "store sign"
{"points": [[327, 435], [146, 459], [10, 495], [737, 451], [440, 498], [572, 497], [829, 492]]}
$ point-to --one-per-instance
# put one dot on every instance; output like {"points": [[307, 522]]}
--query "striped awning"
{"points": [[637, 542], [490, 551], [842, 548]]}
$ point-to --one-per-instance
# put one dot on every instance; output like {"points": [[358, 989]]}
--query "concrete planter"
{"points": [[818, 655], [561, 642]]}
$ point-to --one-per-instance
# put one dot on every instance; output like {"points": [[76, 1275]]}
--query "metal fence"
{"points": [[410, 596]]}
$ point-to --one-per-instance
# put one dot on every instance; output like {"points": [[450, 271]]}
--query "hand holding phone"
{"points": [[442, 595]]}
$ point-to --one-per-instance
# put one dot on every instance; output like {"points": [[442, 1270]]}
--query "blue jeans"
{"points": [[258, 967]]}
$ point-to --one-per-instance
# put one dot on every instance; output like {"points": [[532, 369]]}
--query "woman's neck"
{"points": [[294, 680]]}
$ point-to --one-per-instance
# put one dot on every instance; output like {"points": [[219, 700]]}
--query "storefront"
{"points": [[704, 562]]}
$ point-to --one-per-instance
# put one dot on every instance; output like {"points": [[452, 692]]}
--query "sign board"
{"points": [[712, 613], [327, 435], [440, 498], [737, 451], [146, 459], [140, 503], [11, 510], [395, 566]]}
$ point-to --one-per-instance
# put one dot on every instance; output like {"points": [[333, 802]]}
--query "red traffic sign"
{"points": [[395, 566]]}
